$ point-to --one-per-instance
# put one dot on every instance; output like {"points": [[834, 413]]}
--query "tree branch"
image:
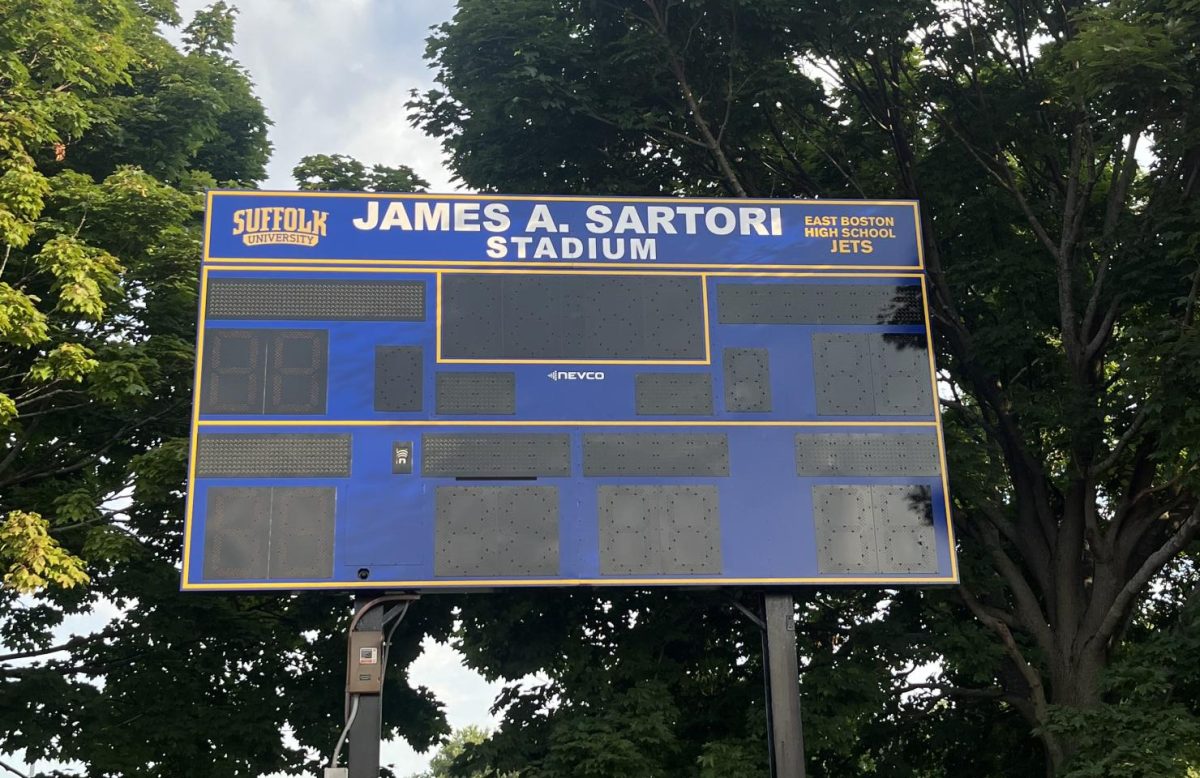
{"points": [[1123, 603], [72, 643], [947, 690], [1122, 443], [1029, 610], [1032, 678], [679, 71], [12, 769]]}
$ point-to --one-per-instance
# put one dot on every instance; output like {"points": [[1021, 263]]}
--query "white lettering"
{"points": [[643, 248], [466, 217], [541, 219], [396, 216], [496, 215], [753, 219], [660, 218], [690, 212], [521, 243], [599, 220], [432, 216], [545, 249], [727, 221], [629, 221], [572, 248], [369, 221]]}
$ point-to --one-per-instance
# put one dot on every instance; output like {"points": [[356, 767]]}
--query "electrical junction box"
{"points": [[365, 670]]}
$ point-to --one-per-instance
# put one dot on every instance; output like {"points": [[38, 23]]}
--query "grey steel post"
{"points": [[785, 735], [367, 728]]}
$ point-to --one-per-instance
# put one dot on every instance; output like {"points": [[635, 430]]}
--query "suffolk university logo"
{"points": [[275, 225]]}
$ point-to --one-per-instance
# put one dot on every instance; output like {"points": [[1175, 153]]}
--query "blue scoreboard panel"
{"points": [[459, 391]]}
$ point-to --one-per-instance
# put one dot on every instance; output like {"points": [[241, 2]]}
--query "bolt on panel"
{"points": [[237, 528], [655, 454], [747, 380], [565, 317], [866, 454], [301, 543], [496, 531], [659, 530], [673, 394], [399, 376], [750, 303], [483, 393]]}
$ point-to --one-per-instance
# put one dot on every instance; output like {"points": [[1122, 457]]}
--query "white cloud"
{"points": [[334, 77]]}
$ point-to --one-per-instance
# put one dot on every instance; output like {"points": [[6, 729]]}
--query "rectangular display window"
{"points": [[576, 318], [264, 371]]}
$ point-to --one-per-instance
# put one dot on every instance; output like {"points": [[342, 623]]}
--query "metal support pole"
{"points": [[785, 735], [366, 730]]}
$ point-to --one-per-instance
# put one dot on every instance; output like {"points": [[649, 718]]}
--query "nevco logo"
{"points": [[571, 375]]}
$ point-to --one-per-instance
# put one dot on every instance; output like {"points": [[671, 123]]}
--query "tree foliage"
{"points": [[442, 763], [1055, 152], [108, 137], [1054, 149], [337, 172]]}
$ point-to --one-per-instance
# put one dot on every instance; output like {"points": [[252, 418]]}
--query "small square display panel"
{"points": [[269, 533], [659, 530], [398, 378], [747, 380], [497, 531]]}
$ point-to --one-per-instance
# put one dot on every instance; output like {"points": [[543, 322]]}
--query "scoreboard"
{"points": [[460, 391]]}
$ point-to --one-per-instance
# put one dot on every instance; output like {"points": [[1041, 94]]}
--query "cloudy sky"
{"points": [[334, 76]]}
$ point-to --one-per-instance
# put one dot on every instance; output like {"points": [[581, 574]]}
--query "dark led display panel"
{"points": [[264, 371], [572, 317], [257, 298]]}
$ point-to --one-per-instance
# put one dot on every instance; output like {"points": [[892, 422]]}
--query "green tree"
{"points": [[55, 56], [460, 740], [109, 136], [1064, 284], [1148, 724], [337, 172]]}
